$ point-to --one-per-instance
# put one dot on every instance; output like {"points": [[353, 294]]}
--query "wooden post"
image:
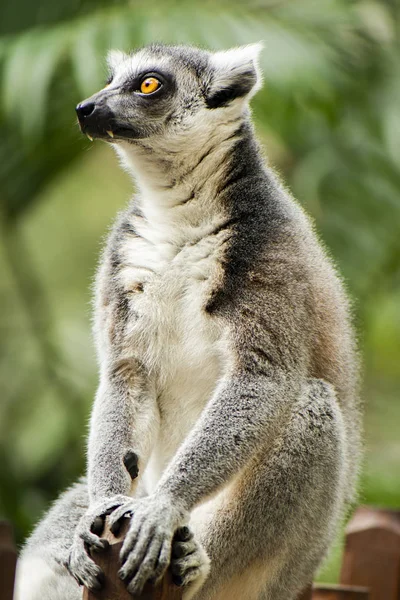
{"points": [[307, 594], [8, 561], [372, 552], [114, 588], [339, 592]]}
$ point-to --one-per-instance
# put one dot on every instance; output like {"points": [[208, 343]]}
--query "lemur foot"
{"points": [[190, 564]]}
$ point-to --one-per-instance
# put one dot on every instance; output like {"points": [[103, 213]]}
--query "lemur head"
{"points": [[169, 93]]}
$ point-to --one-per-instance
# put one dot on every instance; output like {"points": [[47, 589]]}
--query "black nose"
{"points": [[85, 109], [95, 117]]}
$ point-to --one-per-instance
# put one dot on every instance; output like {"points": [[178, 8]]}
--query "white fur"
{"points": [[115, 58], [175, 262], [36, 580], [233, 62]]}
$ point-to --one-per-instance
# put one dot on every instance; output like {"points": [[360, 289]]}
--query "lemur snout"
{"points": [[95, 119]]}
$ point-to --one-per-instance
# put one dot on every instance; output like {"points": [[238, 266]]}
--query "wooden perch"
{"points": [[335, 592], [307, 594], [340, 592], [370, 568], [371, 562], [372, 552], [114, 588]]}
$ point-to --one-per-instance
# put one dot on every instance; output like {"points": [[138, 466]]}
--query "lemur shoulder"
{"points": [[228, 369]]}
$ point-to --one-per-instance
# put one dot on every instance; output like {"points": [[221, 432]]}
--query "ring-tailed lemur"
{"points": [[227, 359]]}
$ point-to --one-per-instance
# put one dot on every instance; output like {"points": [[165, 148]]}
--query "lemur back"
{"points": [[227, 358]]}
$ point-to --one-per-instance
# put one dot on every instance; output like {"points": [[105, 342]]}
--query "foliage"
{"points": [[328, 117]]}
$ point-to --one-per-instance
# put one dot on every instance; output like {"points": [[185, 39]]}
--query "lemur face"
{"points": [[163, 91]]}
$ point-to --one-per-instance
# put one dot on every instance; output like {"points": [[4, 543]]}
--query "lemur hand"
{"points": [[190, 564], [146, 551], [87, 540]]}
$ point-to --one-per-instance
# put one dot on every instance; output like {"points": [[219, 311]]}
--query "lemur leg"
{"points": [[268, 532], [41, 574]]}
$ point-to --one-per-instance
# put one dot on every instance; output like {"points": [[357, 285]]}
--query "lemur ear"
{"points": [[235, 74], [114, 58]]}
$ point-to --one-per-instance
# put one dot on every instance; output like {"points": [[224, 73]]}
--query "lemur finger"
{"points": [[94, 582], [143, 571], [180, 549], [179, 567], [131, 542], [97, 548], [98, 525], [115, 521], [118, 513], [130, 560], [183, 534], [84, 570], [142, 575], [131, 461], [93, 541], [117, 525], [181, 580], [162, 562]]}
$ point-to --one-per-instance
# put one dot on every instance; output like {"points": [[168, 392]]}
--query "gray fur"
{"points": [[227, 357]]}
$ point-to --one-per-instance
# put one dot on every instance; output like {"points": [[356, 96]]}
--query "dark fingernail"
{"points": [[122, 575], [183, 534], [177, 580], [97, 526], [131, 462]]}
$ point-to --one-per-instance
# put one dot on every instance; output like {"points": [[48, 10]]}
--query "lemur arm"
{"points": [[254, 400], [247, 410], [124, 422]]}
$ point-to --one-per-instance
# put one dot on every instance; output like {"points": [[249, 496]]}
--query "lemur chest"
{"points": [[169, 329]]}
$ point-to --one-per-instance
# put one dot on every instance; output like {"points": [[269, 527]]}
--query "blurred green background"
{"points": [[329, 120]]}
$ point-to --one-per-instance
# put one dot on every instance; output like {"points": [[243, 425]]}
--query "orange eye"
{"points": [[149, 85]]}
